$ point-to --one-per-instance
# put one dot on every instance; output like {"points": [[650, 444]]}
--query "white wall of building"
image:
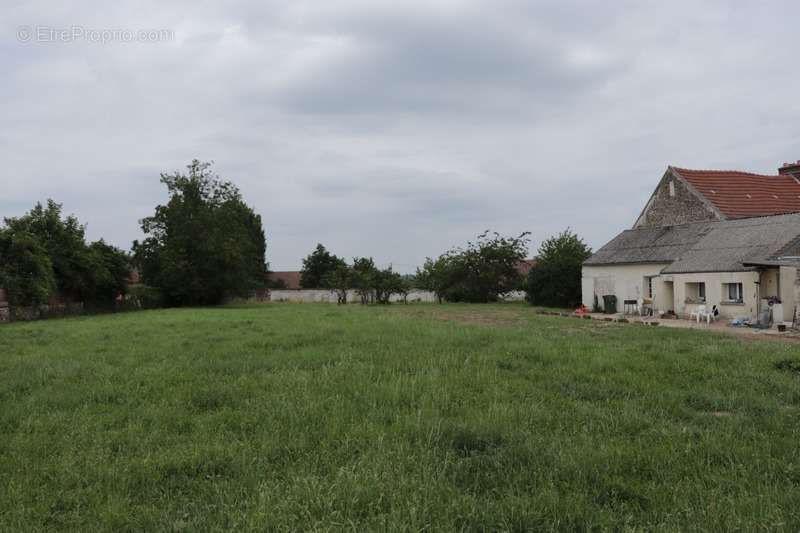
{"points": [[673, 292], [716, 293], [626, 282], [787, 291]]}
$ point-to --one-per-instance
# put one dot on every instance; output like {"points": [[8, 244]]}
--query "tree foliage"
{"points": [[25, 269], [64, 241], [363, 278], [372, 284], [375, 284], [555, 279], [480, 272], [318, 267], [111, 270], [57, 259], [340, 281], [204, 244]]}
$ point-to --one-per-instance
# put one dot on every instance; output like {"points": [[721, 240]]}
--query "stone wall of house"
{"points": [[673, 203]]}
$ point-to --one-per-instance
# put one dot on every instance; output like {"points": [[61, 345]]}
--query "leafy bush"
{"points": [[372, 284], [25, 269], [45, 253], [555, 279], [143, 297], [110, 268], [318, 267], [340, 281], [65, 245], [481, 272]]}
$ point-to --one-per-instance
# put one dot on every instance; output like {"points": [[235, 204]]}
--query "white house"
{"points": [[724, 238]]}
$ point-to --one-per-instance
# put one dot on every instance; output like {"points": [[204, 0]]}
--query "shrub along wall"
{"points": [[5, 313], [138, 297]]}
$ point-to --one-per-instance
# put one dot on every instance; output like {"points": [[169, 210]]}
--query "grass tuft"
{"points": [[788, 365]]}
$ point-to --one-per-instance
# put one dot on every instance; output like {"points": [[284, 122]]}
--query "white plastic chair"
{"points": [[699, 312], [702, 312]]}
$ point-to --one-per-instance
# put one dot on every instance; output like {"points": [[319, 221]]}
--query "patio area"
{"points": [[718, 326]]}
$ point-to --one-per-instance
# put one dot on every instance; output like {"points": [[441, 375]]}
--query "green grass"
{"points": [[290, 417]]}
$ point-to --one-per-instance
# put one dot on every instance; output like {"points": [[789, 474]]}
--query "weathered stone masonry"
{"points": [[674, 203]]}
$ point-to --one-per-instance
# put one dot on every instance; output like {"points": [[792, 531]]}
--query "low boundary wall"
{"points": [[328, 296]]}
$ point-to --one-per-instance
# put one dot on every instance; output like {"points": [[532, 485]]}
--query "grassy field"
{"points": [[288, 417]]}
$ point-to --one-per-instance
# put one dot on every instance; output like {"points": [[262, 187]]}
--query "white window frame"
{"points": [[738, 291]]}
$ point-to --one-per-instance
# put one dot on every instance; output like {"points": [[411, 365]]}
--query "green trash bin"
{"points": [[609, 304]]}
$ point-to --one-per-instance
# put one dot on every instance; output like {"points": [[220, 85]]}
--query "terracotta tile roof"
{"points": [[743, 194], [524, 266], [290, 278], [134, 276]]}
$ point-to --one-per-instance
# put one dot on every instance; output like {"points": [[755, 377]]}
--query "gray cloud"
{"points": [[395, 129], [458, 60]]}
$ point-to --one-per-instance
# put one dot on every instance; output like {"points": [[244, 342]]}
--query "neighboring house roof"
{"points": [[743, 194], [715, 246], [525, 266], [134, 277], [290, 278]]}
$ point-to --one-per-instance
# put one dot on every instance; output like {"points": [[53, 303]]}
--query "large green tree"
{"points": [[318, 267], [25, 269], [111, 271], [94, 274], [204, 243], [555, 279], [64, 241], [479, 272]]}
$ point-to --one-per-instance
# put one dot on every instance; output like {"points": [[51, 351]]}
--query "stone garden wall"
{"points": [[327, 296]]}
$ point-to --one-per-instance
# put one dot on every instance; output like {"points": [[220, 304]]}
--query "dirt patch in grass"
{"points": [[489, 317], [511, 318], [749, 335], [593, 328]]}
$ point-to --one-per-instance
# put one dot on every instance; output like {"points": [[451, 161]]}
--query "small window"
{"points": [[734, 292], [696, 292], [672, 188]]}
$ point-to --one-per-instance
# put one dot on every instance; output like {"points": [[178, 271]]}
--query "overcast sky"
{"points": [[393, 129]]}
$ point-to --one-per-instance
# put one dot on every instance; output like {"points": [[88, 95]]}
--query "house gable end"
{"points": [[675, 201]]}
